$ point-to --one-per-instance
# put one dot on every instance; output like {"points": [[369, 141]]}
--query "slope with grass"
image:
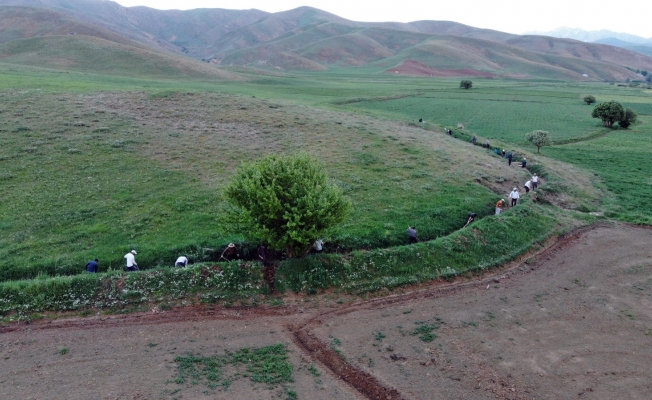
{"points": [[92, 54], [22, 23], [505, 114], [103, 172]]}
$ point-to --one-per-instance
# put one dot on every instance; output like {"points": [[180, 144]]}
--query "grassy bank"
{"points": [[481, 246]]}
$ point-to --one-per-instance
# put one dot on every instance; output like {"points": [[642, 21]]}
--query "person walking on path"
{"points": [[509, 158], [230, 253], [499, 206], [514, 196], [535, 182], [181, 261], [474, 140], [412, 232], [523, 163], [92, 266], [131, 261], [502, 153], [528, 186]]}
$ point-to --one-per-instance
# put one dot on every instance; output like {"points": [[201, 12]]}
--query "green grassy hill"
{"points": [[21, 23], [92, 54], [102, 172]]}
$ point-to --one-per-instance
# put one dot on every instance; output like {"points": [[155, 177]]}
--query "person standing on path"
{"points": [[412, 232], [509, 158], [474, 140], [523, 163], [514, 196], [535, 182], [92, 266], [131, 261], [499, 206], [181, 261]]}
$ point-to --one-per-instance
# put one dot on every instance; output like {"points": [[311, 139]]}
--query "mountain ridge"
{"points": [[307, 38]]}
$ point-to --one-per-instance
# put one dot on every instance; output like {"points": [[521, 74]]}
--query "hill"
{"points": [[306, 38], [22, 22], [88, 53]]}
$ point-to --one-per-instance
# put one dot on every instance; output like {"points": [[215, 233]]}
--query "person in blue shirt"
{"points": [[92, 266]]}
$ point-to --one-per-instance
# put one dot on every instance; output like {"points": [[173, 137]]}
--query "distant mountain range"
{"points": [[301, 39], [594, 36], [624, 40]]}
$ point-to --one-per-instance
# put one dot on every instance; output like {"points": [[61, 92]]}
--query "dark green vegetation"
{"points": [[466, 84], [268, 365], [286, 202]]}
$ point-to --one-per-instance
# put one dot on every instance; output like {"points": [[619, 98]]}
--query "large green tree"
{"points": [[286, 202], [609, 112], [538, 138]]}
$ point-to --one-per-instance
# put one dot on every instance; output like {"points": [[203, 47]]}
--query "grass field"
{"points": [[504, 115], [101, 172], [101, 164]]}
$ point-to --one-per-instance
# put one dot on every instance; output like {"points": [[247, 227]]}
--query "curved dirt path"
{"points": [[514, 333]]}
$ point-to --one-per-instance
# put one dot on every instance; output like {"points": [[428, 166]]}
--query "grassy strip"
{"points": [[118, 289], [485, 244]]}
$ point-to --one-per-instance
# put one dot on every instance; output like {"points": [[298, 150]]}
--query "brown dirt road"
{"points": [[573, 322]]}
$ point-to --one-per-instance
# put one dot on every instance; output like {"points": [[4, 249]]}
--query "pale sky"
{"points": [[512, 16]]}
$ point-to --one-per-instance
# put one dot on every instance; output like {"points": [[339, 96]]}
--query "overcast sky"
{"points": [[513, 16]]}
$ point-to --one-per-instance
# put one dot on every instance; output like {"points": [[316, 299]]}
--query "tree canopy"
{"points": [[286, 201], [466, 84], [628, 118], [590, 99], [609, 112], [538, 138]]}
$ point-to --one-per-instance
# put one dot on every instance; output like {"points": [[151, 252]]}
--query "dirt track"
{"points": [[575, 321]]}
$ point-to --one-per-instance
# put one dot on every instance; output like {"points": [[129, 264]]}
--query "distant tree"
{"points": [[286, 202], [609, 112], [538, 138], [590, 99], [466, 84], [628, 119], [644, 73]]}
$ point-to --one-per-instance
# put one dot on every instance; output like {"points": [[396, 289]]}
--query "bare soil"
{"points": [[574, 321]]}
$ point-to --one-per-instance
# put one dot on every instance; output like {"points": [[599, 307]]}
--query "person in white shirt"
{"points": [[181, 261], [318, 245], [131, 261], [514, 196], [528, 186], [535, 181]]}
